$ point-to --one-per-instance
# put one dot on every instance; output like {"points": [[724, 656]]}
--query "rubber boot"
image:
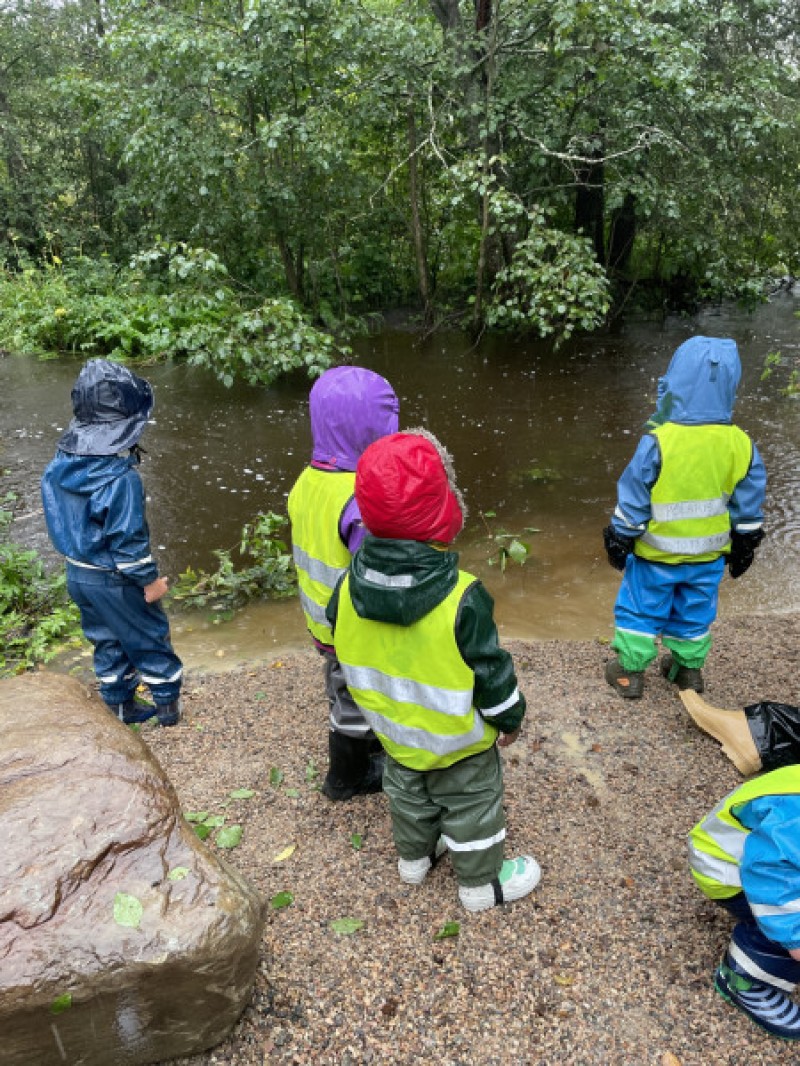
{"points": [[682, 676], [132, 712], [169, 713], [628, 683], [768, 1006], [353, 770], [730, 728]]}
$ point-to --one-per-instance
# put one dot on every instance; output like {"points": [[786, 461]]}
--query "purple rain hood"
{"points": [[350, 408]]}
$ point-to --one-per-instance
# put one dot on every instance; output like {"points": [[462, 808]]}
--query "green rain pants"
{"points": [[463, 804]]}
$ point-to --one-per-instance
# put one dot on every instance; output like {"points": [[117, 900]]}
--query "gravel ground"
{"points": [[609, 961]]}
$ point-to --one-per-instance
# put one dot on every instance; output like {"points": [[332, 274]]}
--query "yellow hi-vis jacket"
{"points": [[315, 507], [716, 845], [411, 683], [700, 468]]}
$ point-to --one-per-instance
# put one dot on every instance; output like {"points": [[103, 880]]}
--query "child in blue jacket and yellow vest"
{"points": [[690, 500], [418, 646], [745, 855]]}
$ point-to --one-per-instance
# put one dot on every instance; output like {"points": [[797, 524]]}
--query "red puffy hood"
{"points": [[405, 489]]}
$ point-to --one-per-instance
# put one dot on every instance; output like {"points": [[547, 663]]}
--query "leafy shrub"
{"points": [[271, 575], [174, 302], [37, 616], [553, 285]]}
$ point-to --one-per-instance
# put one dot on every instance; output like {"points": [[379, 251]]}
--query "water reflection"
{"points": [[537, 437]]}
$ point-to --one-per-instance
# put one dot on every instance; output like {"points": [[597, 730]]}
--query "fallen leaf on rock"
{"points": [[282, 899], [564, 980], [668, 1059], [128, 910]]}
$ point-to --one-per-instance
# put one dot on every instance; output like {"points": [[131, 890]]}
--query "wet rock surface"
{"points": [[123, 939]]}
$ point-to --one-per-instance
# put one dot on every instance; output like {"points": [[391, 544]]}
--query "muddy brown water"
{"points": [[538, 437]]}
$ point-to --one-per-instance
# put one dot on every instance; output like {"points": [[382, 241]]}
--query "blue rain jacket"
{"points": [[94, 507], [698, 388], [770, 867]]}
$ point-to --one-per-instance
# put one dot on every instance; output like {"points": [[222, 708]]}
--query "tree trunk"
{"points": [[423, 274]]}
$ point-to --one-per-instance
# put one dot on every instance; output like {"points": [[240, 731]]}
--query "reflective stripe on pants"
{"points": [[463, 803]]}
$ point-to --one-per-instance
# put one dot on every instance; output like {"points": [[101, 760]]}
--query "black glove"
{"points": [[617, 548], [743, 548]]}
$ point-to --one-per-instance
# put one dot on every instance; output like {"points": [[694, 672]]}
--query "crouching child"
{"points": [[745, 855], [420, 653]]}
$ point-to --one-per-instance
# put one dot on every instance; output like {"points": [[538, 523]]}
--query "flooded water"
{"points": [[538, 437]]}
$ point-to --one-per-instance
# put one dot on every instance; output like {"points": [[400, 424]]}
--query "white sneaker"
{"points": [[516, 879], [414, 871]]}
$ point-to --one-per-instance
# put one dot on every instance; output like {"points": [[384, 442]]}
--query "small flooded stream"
{"points": [[538, 437]]}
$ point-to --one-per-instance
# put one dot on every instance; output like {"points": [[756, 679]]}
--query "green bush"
{"points": [[37, 616], [173, 302], [271, 575]]}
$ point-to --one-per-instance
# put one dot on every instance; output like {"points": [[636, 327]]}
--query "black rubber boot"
{"points": [[683, 676], [628, 683], [169, 713], [353, 770], [132, 712]]}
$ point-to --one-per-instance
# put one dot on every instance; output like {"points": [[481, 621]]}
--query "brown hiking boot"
{"points": [[628, 683], [683, 676]]}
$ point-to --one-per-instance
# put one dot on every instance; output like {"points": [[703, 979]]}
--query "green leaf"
{"points": [[61, 1003], [177, 873], [448, 929], [128, 910], [346, 926], [203, 831], [357, 841], [293, 793], [195, 816], [311, 770], [230, 837], [275, 776], [283, 899], [214, 821], [241, 793], [518, 551]]}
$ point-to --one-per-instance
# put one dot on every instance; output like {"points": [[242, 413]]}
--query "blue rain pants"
{"points": [[675, 602], [130, 637]]}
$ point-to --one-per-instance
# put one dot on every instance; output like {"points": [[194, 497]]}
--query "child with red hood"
{"points": [[350, 407], [419, 650]]}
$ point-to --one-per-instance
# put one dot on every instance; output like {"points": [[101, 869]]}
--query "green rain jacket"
{"points": [[399, 583]]}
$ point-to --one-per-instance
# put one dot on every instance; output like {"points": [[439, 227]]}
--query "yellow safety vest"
{"points": [[315, 507], [411, 683], [716, 844], [700, 468]]}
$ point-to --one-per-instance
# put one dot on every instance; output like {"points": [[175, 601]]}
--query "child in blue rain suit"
{"points": [[745, 855], [689, 501], [94, 507]]}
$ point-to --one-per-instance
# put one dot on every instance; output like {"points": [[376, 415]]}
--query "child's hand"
{"points": [[155, 590], [507, 738]]}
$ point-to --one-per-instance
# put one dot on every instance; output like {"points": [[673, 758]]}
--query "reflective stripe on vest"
{"points": [[315, 507], [700, 468], [411, 683], [716, 844]]}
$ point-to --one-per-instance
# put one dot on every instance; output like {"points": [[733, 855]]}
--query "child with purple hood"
{"points": [[350, 408]]}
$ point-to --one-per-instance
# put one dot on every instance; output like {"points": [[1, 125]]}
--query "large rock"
{"points": [[90, 825]]}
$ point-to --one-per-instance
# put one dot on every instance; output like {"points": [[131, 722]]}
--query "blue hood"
{"points": [[700, 383]]}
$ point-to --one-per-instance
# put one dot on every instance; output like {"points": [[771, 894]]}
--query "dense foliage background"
{"points": [[233, 180]]}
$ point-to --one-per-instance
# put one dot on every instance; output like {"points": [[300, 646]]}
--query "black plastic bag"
{"points": [[775, 729]]}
